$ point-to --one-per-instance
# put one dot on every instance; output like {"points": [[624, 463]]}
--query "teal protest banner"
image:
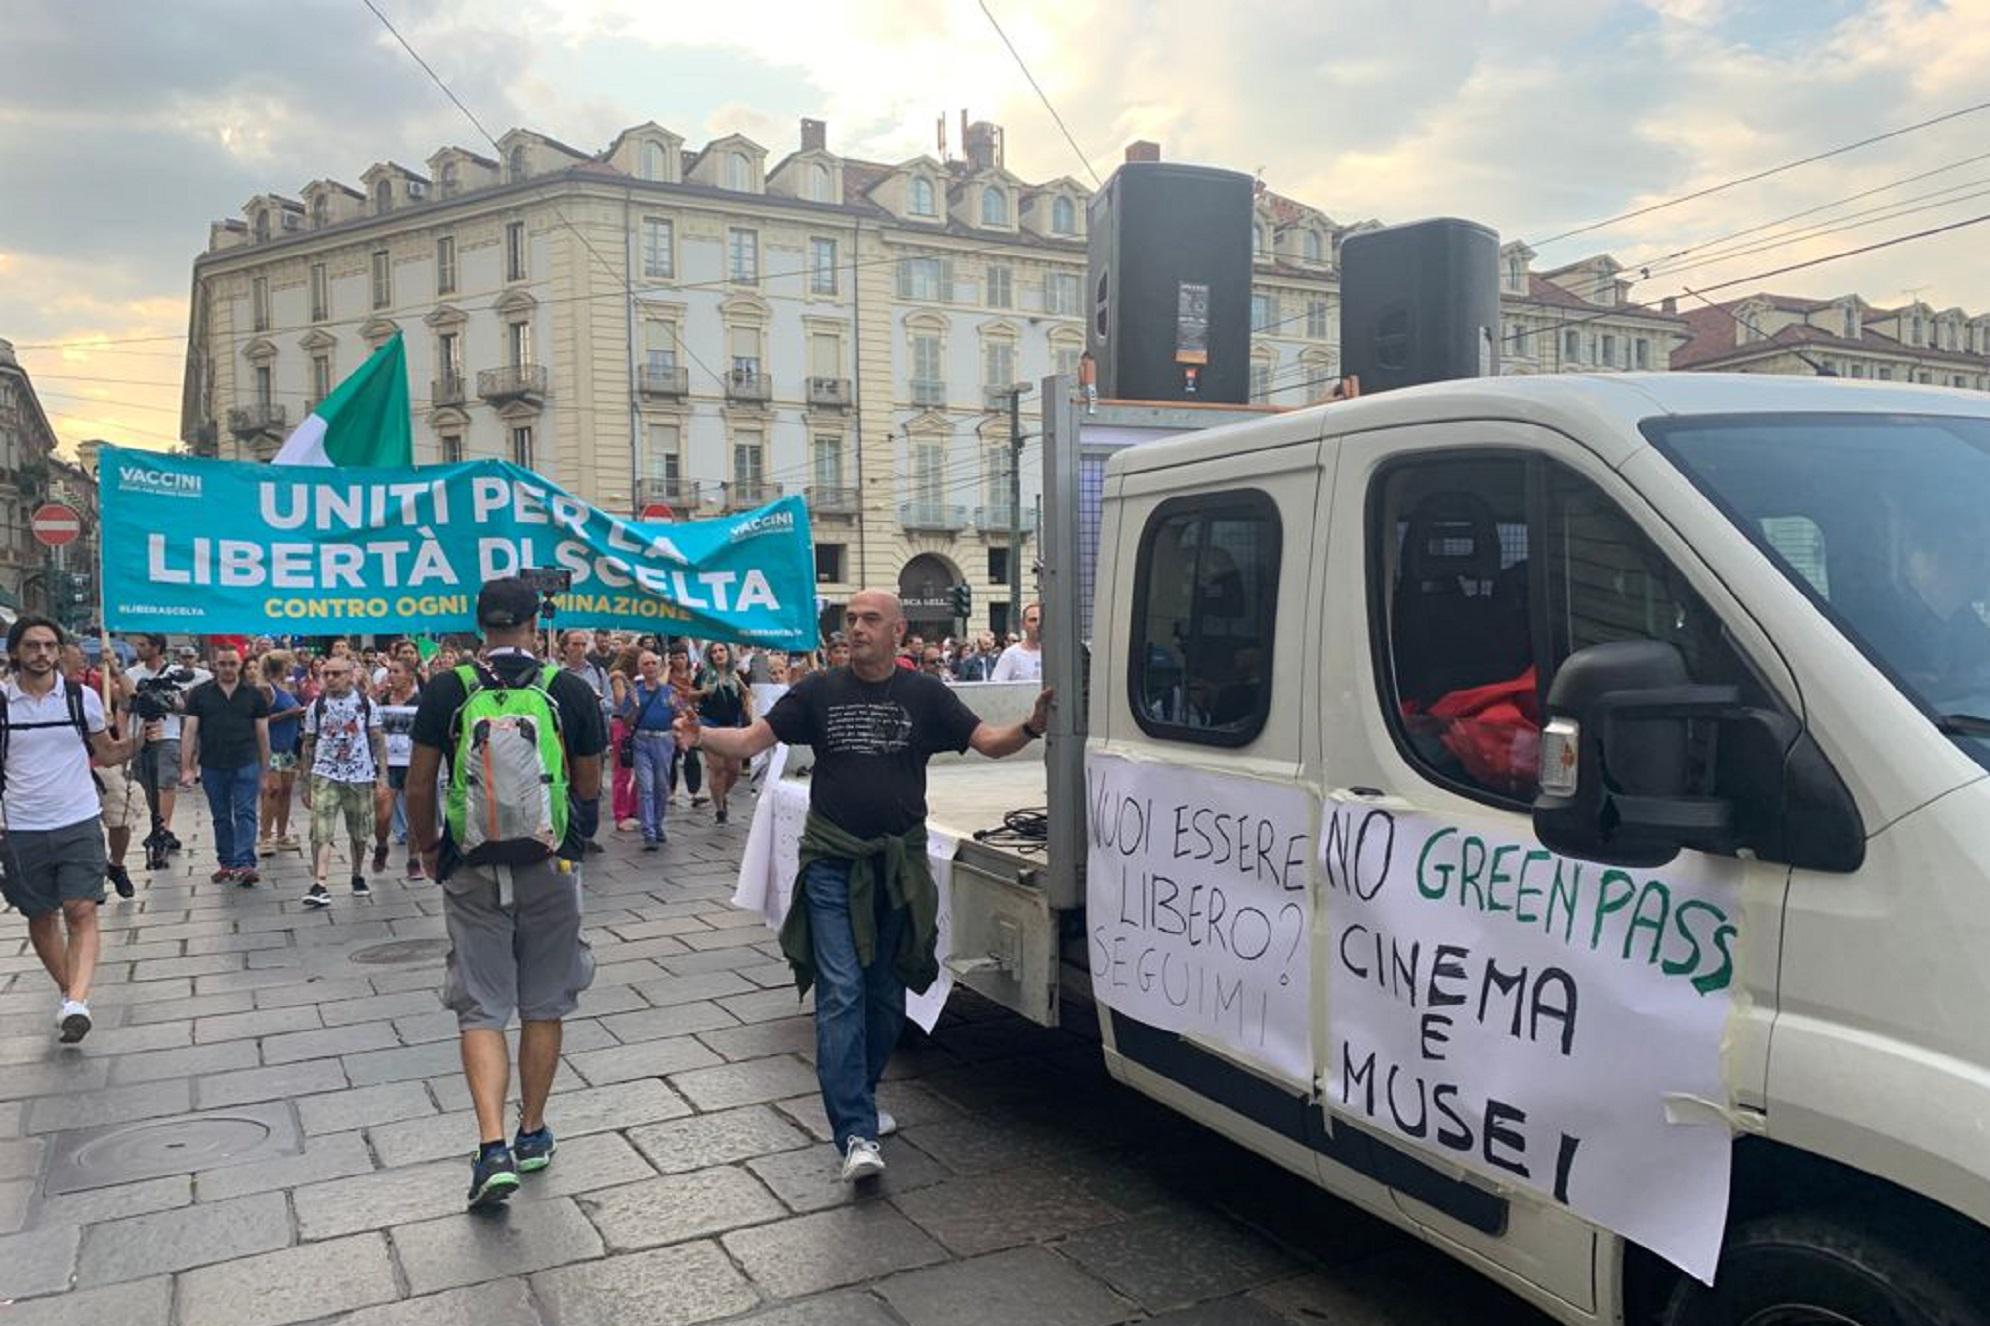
{"points": [[204, 546]]}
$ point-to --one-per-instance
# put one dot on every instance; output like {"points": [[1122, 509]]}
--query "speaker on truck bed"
{"points": [[1419, 303], [1168, 283]]}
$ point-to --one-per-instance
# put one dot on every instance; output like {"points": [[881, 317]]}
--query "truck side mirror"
{"points": [[1637, 762]]}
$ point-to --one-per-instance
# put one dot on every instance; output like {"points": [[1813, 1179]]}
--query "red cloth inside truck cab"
{"points": [[1463, 651]]}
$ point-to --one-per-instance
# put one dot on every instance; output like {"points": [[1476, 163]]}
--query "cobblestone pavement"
{"points": [[268, 1126]]}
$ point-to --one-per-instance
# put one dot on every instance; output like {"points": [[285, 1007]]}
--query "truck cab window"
{"points": [[1490, 571], [1205, 590]]}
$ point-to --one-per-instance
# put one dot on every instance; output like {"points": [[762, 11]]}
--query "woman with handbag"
{"points": [[620, 674], [649, 710]]}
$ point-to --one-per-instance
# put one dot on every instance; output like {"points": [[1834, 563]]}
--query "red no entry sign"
{"points": [[658, 511], [55, 524]]}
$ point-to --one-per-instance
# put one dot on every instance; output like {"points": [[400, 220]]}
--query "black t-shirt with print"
{"points": [[872, 740]]}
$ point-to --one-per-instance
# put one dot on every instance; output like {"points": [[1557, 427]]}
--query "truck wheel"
{"points": [[1818, 1270]]}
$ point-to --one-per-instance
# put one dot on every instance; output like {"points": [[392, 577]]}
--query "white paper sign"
{"points": [[772, 859], [1528, 1016], [1198, 906]]}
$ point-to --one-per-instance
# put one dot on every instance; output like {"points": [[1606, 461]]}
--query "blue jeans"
{"points": [[859, 1010], [231, 799], [654, 749]]}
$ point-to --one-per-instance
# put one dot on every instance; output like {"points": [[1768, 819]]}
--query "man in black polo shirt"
{"points": [[226, 737]]}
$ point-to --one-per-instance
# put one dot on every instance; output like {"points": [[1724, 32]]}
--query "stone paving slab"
{"points": [[363, 1107], [493, 1303], [179, 1240], [297, 1284], [1173, 1259], [139, 1303], [677, 1207], [667, 1287], [811, 1179], [40, 1261], [333, 1156], [716, 1139], [517, 1239], [117, 1202], [1027, 1284], [828, 1250]]}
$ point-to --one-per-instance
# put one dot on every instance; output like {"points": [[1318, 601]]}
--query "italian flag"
{"points": [[364, 422]]}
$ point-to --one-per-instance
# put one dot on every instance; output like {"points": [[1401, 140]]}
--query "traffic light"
{"points": [[961, 598]]}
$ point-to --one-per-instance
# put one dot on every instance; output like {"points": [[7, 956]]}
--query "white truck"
{"points": [[1703, 657]]}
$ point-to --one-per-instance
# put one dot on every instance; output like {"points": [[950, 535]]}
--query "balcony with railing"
{"points": [[832, 500], [246, 421], [744, 387], [449, 389], [829, 393], [946, 517], [929, 391], [513, 382], [663, 381], [996, 518], [745, 494], [680, 495]]}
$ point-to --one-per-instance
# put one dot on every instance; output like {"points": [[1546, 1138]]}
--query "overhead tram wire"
{"points": [[1040, 93], [1851, 221], [1811, 211], [1755, 176]]}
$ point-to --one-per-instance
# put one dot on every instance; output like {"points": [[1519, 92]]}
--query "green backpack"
{"points": [[507, 799]]}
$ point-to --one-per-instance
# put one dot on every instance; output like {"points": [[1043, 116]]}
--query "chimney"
{"points": [[1142, 150], [815, 135], [1670, 304], [982, 142]]}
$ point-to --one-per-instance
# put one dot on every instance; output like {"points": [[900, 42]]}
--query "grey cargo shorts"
{"points": [[524, 956]]}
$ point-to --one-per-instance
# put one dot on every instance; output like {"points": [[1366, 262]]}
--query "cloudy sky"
{"points": [[127, 125]]}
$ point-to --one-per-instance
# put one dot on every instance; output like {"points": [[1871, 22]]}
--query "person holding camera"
{"points": [[50, 730], [159, 687]]}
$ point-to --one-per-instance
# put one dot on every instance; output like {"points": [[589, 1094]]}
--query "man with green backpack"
{"points": [[523, 740]]}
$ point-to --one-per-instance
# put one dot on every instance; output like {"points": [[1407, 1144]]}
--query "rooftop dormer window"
{"points": [[262, 224], [736, 174], [517, 163], [383, 196], [1310, 247], [816, 189], [321, 212], [921, 197], [650, 162], [994, 207], [1063, 217], [448, 179]]}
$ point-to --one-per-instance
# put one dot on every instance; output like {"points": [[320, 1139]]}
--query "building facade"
{"points": [[27, 476], [705, 330], [1843, 337]]}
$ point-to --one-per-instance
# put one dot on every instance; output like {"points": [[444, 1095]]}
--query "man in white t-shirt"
{"points": [[158, 765], [1023, 661], [54, 850], [345, 752]]}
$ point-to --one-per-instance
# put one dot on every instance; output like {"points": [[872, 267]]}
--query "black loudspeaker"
{"points": [[1419, 303], [1168, 282]]}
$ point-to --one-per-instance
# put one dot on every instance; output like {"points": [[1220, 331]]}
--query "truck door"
{"points": [[1477, 557]]}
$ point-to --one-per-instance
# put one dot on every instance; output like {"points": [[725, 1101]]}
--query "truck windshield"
{"points": [[1884, 520]]}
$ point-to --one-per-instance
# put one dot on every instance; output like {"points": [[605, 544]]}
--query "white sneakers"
{"points": [[73, 1020], [861, 1160], [886, 1124]]}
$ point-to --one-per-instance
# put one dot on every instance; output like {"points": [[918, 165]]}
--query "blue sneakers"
{"points": [[534, 1150], [493, 1176]]}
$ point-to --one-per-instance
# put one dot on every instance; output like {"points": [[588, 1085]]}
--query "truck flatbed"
{"points": [[965, 797]]}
